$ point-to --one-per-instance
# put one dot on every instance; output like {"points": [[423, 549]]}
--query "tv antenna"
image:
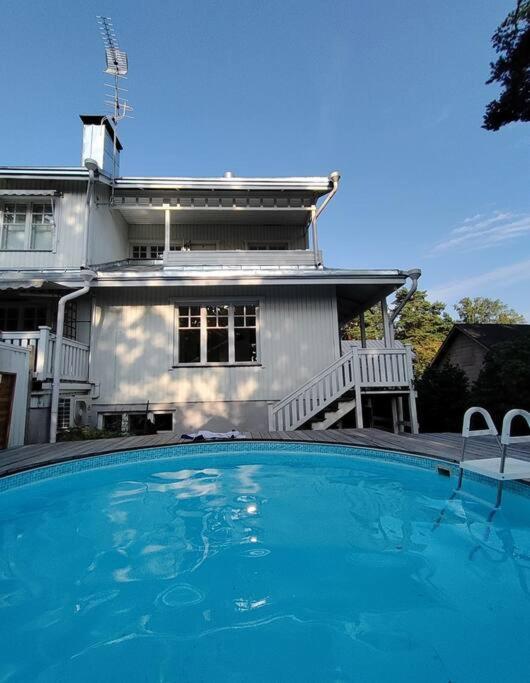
{"points": [[118, 67]]}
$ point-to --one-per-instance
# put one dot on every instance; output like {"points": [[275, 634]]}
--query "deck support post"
{"points": [[387, 326], [167, 233], [362, 327], [357, 388], [42, 352], [395, 418], [414, 427]]}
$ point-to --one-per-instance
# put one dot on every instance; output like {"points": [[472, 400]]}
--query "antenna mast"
{"points": [[117, 66]]}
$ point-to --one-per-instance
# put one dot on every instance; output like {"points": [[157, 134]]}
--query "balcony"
{"points": [[74, 361], [292, 258]]}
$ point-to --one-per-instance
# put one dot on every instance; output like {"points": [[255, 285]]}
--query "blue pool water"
{"points": [[261, 562]]}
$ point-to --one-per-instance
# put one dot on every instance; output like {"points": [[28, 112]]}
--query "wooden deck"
{"points": [[443, 446]]}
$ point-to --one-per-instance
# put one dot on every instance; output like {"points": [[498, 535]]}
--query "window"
{"points": [[163, 422], [63, 413], [268, 246], [8, 319], [112, 422], [151, 251], [157, 251], [139, 251], [33, 317], [27, 226], [216, 333], [245, 348], [70, 320]]}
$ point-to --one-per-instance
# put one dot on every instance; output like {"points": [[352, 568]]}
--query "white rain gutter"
{"points": [[88, 276]]}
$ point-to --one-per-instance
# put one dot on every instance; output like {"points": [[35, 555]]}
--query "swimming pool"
{"points": [[261, 562]]}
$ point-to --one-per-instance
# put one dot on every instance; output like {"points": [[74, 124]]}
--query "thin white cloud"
{"points": [[480, 232], [503, 277]]}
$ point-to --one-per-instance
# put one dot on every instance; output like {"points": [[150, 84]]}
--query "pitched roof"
{"points": [[490, 334]]}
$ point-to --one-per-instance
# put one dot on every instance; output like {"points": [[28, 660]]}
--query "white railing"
{"points": [[41, 343], [356, 369], [241, 258], [384, 367]]}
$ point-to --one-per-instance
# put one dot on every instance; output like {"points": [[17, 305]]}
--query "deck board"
{"points": [[444, 446]]}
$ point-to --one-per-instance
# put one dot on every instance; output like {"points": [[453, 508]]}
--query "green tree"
{"points": [[424, 324], [373, 323], [511, 71], [443, 397], [483, 310], [504, 381]]}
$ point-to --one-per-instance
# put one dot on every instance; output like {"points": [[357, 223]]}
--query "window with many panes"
{"points": [[27, 226], [268, 246], [150, 251], [216, 333], [64, 413], [70, 320]]}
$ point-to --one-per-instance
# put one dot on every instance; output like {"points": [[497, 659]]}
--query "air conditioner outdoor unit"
{"points": [[81, 410]]}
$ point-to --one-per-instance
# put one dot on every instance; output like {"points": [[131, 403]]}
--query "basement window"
{"points": [[216, 334], [163, 422], [27, 227]]}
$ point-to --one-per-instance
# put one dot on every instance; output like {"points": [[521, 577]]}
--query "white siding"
{"points": [[133, 345], [108, 233], [15, 360], [225, 236]]}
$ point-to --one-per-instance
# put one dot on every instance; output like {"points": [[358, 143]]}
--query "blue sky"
{"points": [[390, 93]]}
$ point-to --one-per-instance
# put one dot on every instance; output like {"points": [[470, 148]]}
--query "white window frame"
{"points": [[231, 302], [28, 229], [69, 400], [268, 245]]}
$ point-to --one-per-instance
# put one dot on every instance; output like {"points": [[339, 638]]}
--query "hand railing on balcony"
{"points": [[75, 355], [238, 258], [357, 369]]}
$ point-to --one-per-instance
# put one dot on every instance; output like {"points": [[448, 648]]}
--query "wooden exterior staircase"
{"points": [[337, 390]]}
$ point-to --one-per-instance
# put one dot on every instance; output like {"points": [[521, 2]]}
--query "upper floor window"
{"points": [[27, 226], [268, 246], [216, 333]]}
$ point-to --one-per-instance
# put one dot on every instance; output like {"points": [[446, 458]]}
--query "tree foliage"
{"points": [[511, 71], [443, 397], [504, 381], [424, 324], [483, 310]]}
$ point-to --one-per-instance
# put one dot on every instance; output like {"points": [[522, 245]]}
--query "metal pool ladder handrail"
{"points": [[517, 469], [467, 432]]}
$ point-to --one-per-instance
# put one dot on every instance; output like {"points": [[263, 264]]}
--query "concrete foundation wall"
{"points": [[216, 416]]}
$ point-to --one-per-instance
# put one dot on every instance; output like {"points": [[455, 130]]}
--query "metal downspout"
{"points": [[414, 276], [88, 276], [315, 213]]}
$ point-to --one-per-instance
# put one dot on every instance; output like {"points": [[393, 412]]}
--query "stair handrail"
{"points": [[276, 411], [506, 437], [313, 380]]}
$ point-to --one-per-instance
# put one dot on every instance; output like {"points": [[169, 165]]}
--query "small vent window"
{"points": [[64, 413]]}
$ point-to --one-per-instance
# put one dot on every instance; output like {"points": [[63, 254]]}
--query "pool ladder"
{"points": [[500, 469]]}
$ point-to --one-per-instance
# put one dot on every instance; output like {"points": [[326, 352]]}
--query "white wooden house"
{"points": [[206, 297]]}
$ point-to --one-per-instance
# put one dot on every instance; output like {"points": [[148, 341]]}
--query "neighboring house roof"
{"points": [[486, 335]]}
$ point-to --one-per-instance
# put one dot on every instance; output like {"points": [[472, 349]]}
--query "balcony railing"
{"points": [[74, 360], [285, 258]]}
